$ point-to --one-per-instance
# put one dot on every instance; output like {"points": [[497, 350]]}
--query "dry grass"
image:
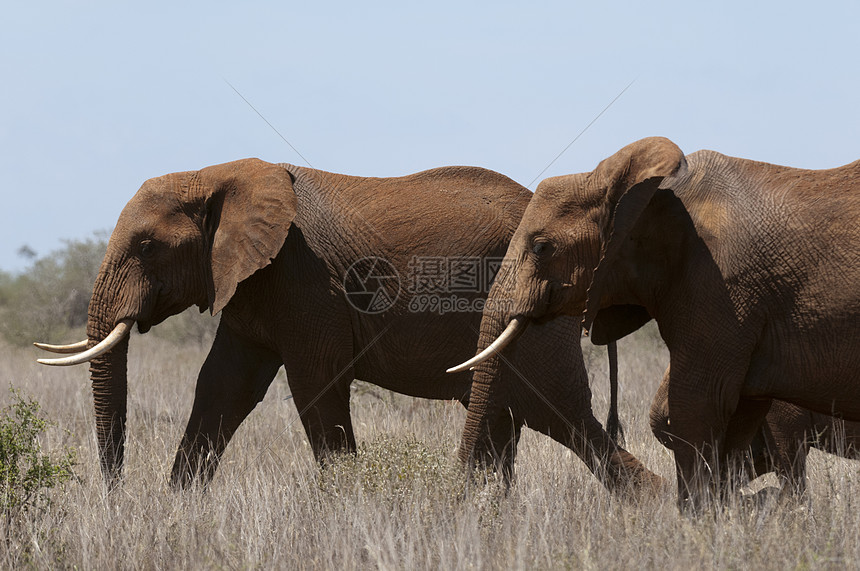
{"points": [[400, 503]]}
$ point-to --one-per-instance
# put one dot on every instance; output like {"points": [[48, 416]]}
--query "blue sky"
{"points": [[98, 97]]}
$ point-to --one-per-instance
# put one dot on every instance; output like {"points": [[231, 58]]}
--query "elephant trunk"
{"points": [[109, 376], [488, 431]]}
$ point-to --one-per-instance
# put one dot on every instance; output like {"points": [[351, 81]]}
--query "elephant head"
{"points": [[570, 238], [559, 262], [184, 239]]}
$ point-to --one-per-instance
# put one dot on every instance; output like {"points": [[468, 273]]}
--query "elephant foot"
{"points": [[643, 486], [196, 468], [762, 499], [626, 477]]}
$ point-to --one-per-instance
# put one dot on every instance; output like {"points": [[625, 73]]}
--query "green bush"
{"points": [[49, 301], [26, 473]]}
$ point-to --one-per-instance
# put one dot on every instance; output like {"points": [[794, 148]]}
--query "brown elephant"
{"points": [[751, 271], [782, 442], [331, 276]]}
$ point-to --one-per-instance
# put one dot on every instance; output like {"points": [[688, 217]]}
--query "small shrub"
{"points": [[26, 474], [393, 469], [49, 300]]}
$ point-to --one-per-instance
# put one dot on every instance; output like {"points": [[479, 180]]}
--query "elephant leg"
{"points": [[563, 412], [763, 451], [322, 399], [709, 419], [736, 460], [745, 425], [614, 466], [698, 431], [793, 431], [850, 448], [568, 418], [235, 377], [790, 463]]}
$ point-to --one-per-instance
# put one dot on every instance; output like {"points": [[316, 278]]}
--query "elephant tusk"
{"points": [[119, 332], [73, 348], [511, 332]]}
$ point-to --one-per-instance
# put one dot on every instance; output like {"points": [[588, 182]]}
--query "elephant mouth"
{"points": [[145, 324], [540, 312], [558, 301], [543, 319], [155, 312]]}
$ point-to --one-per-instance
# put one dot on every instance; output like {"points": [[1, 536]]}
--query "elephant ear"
{"points": [[617, 321], [248, 207], [630, 178]]}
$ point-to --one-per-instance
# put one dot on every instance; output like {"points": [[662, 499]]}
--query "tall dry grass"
{"points": [[400, 503]]}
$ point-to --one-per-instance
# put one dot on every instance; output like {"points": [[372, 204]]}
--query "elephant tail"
{"points": [[613, 425]]}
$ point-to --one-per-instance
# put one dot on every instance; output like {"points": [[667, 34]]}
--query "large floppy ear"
{"points": [[617, 321], [631, 177], [248, 207]]}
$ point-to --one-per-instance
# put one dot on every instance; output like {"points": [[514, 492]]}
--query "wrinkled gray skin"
{"points": [[750, 270], [781, 444], [270, 246]]}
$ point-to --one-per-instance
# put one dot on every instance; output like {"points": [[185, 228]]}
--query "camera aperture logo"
{"points": [[434, 284], [372, 285]]}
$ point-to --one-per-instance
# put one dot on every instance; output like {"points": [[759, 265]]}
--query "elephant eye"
{"points": [[540, 248], [147, 248]]}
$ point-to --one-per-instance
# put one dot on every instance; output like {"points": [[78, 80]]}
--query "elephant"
{"points": [[749, 269], [783, 441], [333, 277]]}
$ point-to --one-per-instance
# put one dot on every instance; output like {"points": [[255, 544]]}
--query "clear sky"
{"points": [[98, 97]]}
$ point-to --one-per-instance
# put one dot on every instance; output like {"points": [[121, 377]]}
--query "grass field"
{"points": [[400, 503]]}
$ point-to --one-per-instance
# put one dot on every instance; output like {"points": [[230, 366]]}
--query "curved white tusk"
{"points": [[121, 330], [511, 332], [73, 348]]}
